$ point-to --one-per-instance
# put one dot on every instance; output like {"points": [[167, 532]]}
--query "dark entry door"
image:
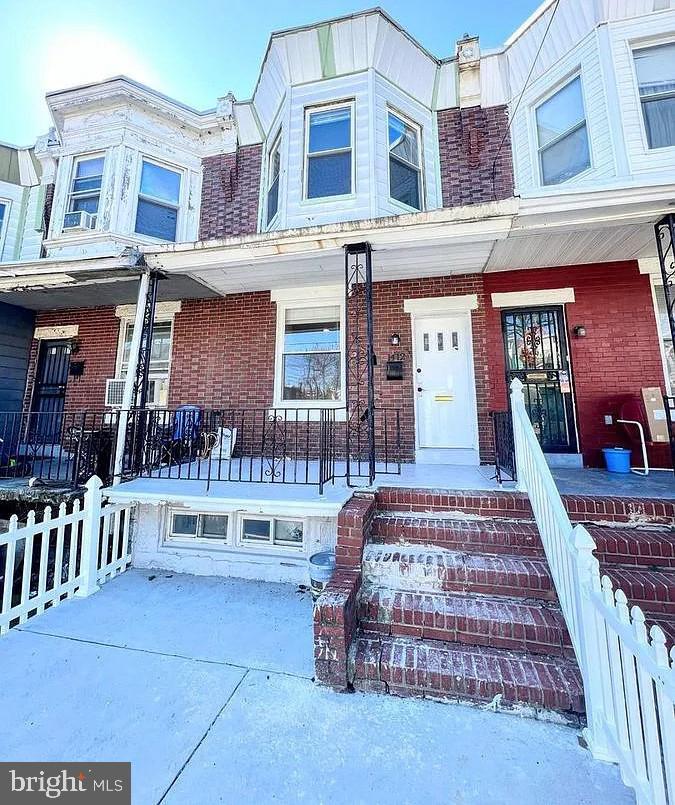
{"points": [[535, 344], [50, 390]]}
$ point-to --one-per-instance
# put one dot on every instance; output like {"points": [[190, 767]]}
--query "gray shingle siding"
{"points": [[16, 333]]}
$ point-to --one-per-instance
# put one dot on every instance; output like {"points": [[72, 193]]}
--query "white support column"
{"points": [[517, 401], [91, 526], [130, 379]]}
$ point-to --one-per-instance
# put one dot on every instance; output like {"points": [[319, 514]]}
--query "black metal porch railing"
{"points": [[253, 445], [505, 453], [63, 447]]}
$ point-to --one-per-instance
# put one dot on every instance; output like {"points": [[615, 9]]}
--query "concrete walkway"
{"points": [[205, 685]]}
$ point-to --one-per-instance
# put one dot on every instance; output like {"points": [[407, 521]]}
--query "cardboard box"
{"points": [[657, 421]]}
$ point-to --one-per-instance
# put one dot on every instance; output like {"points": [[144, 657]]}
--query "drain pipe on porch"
{"points": [[130, 380]]}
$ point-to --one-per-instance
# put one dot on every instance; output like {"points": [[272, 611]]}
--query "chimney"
{"points": [[468, 71]]}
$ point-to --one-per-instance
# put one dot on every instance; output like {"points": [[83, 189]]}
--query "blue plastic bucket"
{"points": [[617, 459]]}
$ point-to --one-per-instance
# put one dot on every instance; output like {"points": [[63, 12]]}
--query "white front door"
{"points": [[444, 383]]}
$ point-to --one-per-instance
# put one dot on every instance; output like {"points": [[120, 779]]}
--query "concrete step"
{"points": [[408, 666], [432, 569], [477, 535], [635, 546], [652, 590], [505, 623]]}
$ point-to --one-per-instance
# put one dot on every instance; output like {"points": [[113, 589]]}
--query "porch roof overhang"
{"points": [[53, 284], [561, 229]]}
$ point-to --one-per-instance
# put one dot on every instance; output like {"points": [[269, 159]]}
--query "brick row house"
{"points": [[484, 217]]}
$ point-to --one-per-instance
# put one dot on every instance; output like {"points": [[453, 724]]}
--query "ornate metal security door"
{"points": [[536, 352]]}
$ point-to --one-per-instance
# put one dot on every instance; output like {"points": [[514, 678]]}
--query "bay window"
{"points": [[328, 158], [85, 189], [655, 70], [158, 202], [273, 171], [405, 174], [309, 357], [562, 135]]}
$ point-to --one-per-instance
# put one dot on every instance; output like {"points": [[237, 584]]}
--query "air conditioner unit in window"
{"points": [[79, 220], [114, 392]]}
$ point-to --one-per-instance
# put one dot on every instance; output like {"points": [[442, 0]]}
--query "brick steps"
{"points": [[652, 590], [432, 569], [467, 619], [408, 666], [635, 546], [486, 535]]}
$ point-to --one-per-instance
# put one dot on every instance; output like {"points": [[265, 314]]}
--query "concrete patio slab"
{"points": [[69, 700], [284, 740], [246, 623], [204, 685]]}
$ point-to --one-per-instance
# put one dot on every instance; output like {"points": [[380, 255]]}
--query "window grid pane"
{"points": [[256, 530], [560, 113], [288, 532], [329, 130]]}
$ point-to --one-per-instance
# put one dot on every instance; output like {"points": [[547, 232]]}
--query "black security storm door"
{"points": [[50, 390], [535, 345]]}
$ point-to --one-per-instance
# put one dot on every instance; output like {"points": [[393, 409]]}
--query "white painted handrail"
{"points": [[44, 562], [628, 675]]}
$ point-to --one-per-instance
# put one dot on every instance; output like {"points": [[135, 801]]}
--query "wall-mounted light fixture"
{"points": [[395, 340], [579, 331]]}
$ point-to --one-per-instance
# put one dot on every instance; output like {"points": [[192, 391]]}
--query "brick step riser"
{"points": [[516, 505], [458, 540], [453, 580], [420, 676], [549, 642], [620, 548]]}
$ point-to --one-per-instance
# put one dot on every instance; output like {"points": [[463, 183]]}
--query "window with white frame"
{"points": [[272, 532], [273, 172], [85, 187], [562, 135], [160, 359], [655, 70], [187, 526], [328, 158], [405, 173], [3, 215], [309, 359], [158, 202]]}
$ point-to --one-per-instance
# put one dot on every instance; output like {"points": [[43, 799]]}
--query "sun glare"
{"points": [[75, 57]]}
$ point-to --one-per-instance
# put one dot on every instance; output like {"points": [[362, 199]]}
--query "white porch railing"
{"points": [[43, 563], [629, 679]]}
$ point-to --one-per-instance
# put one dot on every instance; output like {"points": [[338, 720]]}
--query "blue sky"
{"points": [[192, 50]]}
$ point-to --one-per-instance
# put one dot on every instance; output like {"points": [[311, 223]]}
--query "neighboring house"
{"points": [[511, 218]]}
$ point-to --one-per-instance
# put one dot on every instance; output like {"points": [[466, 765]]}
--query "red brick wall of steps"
{"points": [[448, 595]]}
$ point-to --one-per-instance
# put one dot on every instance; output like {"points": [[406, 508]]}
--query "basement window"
{"points": [[328, 158], [562, 135], [655, 69], [272, 532], [158, 202], [198, 527]]}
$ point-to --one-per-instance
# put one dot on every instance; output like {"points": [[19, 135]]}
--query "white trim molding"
{"points": [[441, 304], [545, 296], [163, 310], [65, 331], [306, 294]]}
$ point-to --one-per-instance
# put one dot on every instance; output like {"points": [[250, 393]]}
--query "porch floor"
{"points": [[586, 482], [204, 684]]}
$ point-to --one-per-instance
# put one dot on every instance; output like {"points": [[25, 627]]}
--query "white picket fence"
{"points": [[628, 675], [43, 563]]}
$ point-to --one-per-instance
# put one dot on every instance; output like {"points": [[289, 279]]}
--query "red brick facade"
{"points": [[618, 356], [96, 347], [224, 349], [475, 155], [230, 193]]}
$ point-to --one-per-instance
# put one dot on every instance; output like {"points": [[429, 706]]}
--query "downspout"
{"points": [[130, 379]]}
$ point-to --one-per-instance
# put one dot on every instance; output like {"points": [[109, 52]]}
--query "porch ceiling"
{"points": [[106, 288]]}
